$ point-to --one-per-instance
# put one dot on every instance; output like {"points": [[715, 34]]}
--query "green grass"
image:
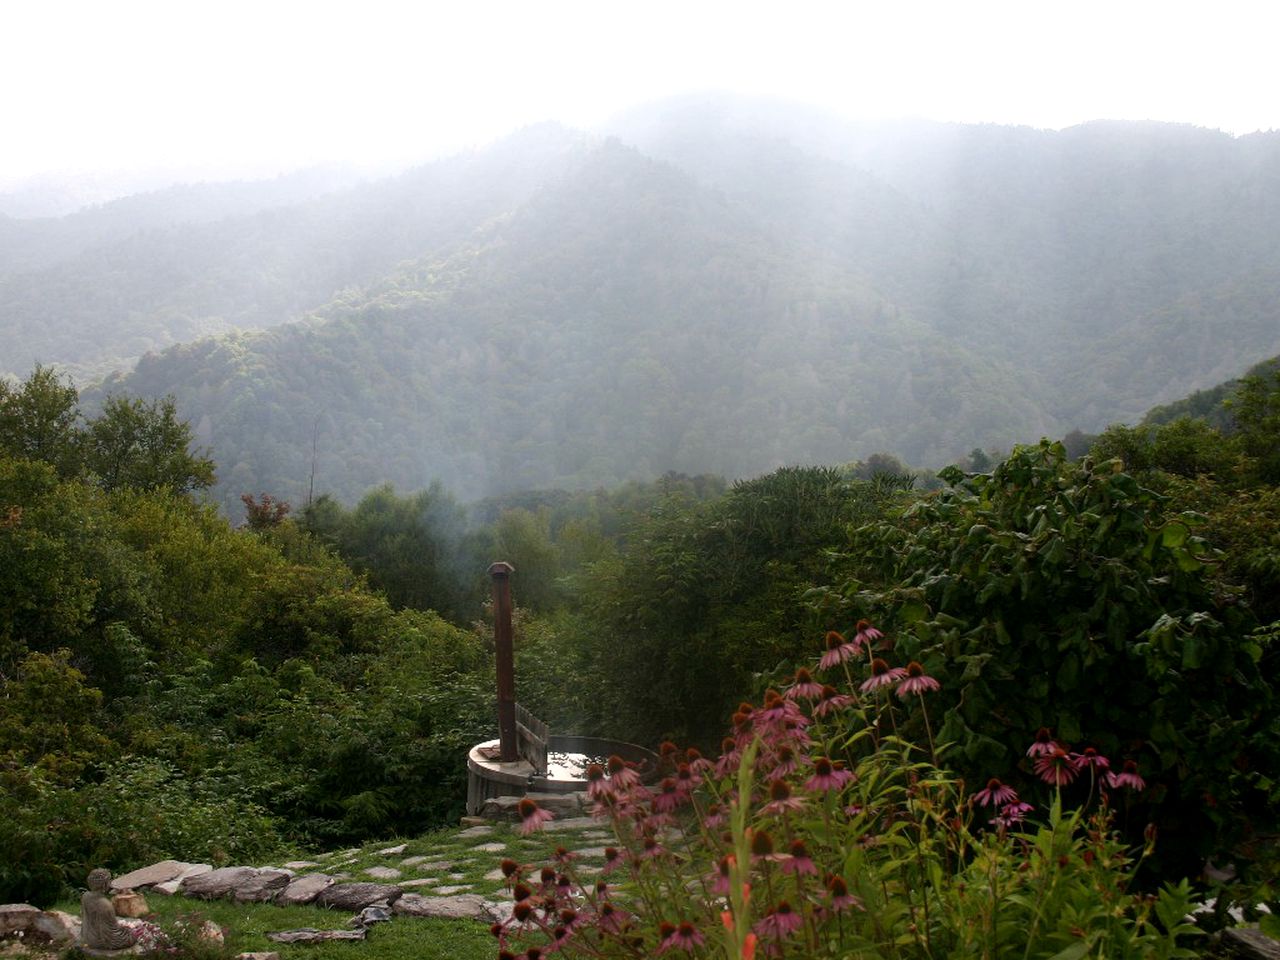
{"points": [[246, 924]]}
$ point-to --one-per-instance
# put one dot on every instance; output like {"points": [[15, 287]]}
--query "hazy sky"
{"points": [[253, 86]]}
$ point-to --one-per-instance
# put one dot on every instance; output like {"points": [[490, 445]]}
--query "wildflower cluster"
{"points": [[821, 830]]}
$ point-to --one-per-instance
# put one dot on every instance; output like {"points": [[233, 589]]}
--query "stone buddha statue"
{"points": [[99, 929]]}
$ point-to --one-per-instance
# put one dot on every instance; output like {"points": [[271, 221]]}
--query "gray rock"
{"points": [[383, 873], [32, 925], [434, 866], [311, 935], [1250, 943], [596, 852], [171, 887], [561, 804], [495, 874], [481, 831], [489, 848], [300, 865], [260, 955], [451, 889], [356, 896], [304, 889], [392, 851], [465, 906], [569, 823], [420, 882], [245, 884], [148, 876], [412, 861]]}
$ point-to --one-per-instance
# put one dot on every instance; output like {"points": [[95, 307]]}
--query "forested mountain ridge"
{"points": [[624, 322], [95, 290], [717, 292]]}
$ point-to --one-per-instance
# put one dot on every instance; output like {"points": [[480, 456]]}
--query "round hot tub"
{"points": [[567, 760]]}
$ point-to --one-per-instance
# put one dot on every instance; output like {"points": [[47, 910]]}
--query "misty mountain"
{"points": [[95, 290], [723, 288]]}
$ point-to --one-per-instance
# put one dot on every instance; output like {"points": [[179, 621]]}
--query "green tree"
{"points": [[38, 420], [143, 444]]}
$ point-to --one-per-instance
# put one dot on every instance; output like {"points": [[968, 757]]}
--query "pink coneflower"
{"points": [[597, 786], [781, 921], [611, 919], [699, 764], [827, 776], [799, 862], [650, 849], [917, 681], [668, 797], [832, 700], [532, 817], [838, 651], [729, 759], [841, 898], [781, 800], [716, 816], [686, 779], [1127, 777], [996, 793], [1056, 768], [804, 687], [762, 845], [1043, 745], [612, 859], [865, 634], [776, 709], [1011, 814], [785, 762], [679, 936], [882, 675], [621, 773], [1091, 758]]}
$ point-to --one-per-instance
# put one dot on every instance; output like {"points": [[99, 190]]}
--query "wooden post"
{"points": [[501, 573]]}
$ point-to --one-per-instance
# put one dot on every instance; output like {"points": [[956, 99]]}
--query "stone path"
{"points": [[446, 874]]}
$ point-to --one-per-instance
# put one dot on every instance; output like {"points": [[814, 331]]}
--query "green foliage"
{"points": [[1065, 595], [826, 831], [38, 420], [410, 547], [143, 445], [706, 597]]}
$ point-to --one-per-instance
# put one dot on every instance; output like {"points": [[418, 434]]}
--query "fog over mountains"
{"points": [[708, 285]]}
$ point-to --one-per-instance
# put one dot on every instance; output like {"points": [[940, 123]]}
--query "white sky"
{"points": [[258, 86]]}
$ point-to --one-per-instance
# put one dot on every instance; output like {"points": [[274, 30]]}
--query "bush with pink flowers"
{"points": [[822, 829]]}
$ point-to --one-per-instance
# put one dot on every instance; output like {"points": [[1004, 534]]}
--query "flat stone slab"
{"points": [[311, 935], [260, 955], [304, 889], [597, 852], [383, 873], [244, 884], [495, 874], [170, 887], [480, 831], [489, 848], [463, 906], [356, 896], [392, 851], [428, 866], [296, 865], [451, 889], [147, 876], [420, 882], [570, 823]]}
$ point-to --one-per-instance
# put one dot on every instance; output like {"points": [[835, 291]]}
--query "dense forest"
{"points": [[722, 287], [326, 675]]}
